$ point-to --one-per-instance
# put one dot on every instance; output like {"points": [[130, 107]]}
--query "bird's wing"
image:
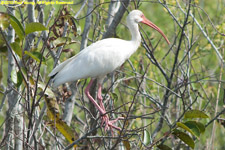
{"points": [[75, 68], [63, 64], [94, 61], [60, 66]]}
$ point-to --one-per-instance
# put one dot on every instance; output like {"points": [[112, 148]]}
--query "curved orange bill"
{"points": [[152, 25]]}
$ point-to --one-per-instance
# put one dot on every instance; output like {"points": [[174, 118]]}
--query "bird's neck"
{"points": [[136, 37]]}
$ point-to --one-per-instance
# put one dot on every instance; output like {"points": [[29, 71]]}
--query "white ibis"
{"points": [[101, 58]]}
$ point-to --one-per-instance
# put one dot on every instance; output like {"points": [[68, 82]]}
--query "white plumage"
{"points": [[101, 58], [96, 60]]}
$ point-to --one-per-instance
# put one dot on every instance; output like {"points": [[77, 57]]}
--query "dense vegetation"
{"points": [[171, 96]]}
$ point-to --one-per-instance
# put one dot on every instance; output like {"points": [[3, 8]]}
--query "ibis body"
{"points": [[101, 58], [95, 61]]}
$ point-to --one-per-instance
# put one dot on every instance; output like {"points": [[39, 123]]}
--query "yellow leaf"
{"points": [[65, 130], [61, 126], [126, 144]]}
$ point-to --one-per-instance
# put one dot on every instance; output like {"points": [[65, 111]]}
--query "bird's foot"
{"points": [[109, 123]]}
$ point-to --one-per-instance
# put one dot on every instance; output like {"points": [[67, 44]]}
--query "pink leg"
{"points": [[105, 118], [101, 108], [99, 96], [91, 98]]}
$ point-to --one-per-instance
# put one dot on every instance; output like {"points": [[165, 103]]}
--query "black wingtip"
{"points": [[51, 77]]}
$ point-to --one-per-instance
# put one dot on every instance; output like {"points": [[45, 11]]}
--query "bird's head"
{"points": [[136, 16]]}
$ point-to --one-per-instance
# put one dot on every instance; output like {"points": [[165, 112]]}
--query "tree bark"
{"points": [[116, 20], [31, 18], [87, 26], [13, 130]]}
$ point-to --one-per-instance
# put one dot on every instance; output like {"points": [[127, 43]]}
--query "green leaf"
{"points": [[195, 126], [17, 27], [201, 127], [14, 76], [2, 89], [146, 139], [19, 79], [2, 42], [195, 114], [114, 96], [163, 147], [48, 91], [36, 56], [33, 27], [16, 48], [181, 125], [184, 137], [3, 49], [4, 20]]}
